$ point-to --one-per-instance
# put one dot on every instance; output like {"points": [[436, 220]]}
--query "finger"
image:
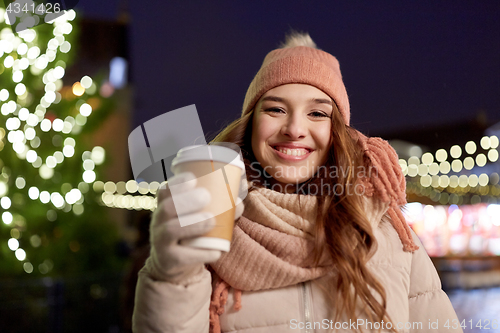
{"points": [[243, 189], [185, 202], [173, 231], [183, 182], [240, 207]]}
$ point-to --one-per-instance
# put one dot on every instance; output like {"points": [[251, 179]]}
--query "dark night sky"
{"points": [[406, 64]]}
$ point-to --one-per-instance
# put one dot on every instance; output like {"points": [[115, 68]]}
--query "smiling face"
{"points": [[291, 132]]}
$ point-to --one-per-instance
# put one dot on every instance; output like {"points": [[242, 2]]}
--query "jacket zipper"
{"points": [[307, 306]]}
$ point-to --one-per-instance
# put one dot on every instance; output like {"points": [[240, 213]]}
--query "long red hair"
{"points": [[342, 228]]}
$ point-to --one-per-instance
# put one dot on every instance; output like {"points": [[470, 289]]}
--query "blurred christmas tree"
{"points": [[52, 223]]}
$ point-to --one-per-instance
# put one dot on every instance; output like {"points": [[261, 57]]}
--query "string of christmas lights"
{"points": [[433, 170], [25, 56]]}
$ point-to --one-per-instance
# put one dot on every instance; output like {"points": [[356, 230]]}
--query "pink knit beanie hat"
{"points": [[299, 61]]}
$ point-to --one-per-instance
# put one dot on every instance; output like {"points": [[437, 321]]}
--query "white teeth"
{"points": [[293, 152]]}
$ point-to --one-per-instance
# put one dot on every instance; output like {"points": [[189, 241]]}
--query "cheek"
{"points": [[323, 136], [261, 132], [322, 140], [255, 136], [258, 137]]}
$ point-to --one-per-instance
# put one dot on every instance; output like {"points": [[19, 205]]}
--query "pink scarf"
{"points": [[272, 252]]}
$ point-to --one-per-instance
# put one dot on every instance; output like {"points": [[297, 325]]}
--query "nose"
{"points": [[294, 127]]}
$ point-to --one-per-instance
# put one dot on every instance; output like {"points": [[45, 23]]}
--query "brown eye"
{"points": [[273, 110], [317, 114]]}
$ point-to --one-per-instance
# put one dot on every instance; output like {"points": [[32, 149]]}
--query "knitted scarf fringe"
{"points": [[389, 184], [218, 301]]}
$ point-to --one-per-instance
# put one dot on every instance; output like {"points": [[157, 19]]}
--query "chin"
{"points": [[294, 180], [291, 181]]}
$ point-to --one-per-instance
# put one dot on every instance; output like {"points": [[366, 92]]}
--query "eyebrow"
{"points": [[322, 101], [315, 100], [273, 99]]}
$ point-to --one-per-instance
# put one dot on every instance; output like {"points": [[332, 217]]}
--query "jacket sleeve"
{"points": [[165, 307], [428, 303]]}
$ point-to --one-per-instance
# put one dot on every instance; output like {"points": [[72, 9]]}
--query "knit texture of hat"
{"points": [[299, 64]]}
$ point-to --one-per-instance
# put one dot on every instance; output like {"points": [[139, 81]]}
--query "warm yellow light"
{"points": [[493, 141], [45, 171], [143, 188], [107, 198], [86, 81], [412, 170], [426, 181], [444, 167], [485, 142], [78, 90], [435, 181], [481, 160], [88, 176], [110, 187], [493, 155], [422, 170], [121, 187], [427, 158], [413, 161], [473, 180], [28, 267], [153, 187], [444, 181], [463, 181], [453, 181], [456, 165], [441, 155], [404, 166], [470, 147], [468, 163], [13, 244], [433, 169], [20, 254], [483, 179], [131, 186]]}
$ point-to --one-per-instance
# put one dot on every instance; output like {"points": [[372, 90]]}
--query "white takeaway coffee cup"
{"points": [[219, 169]]}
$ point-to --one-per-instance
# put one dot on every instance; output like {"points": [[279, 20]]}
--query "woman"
{"points": [[321, 244]]}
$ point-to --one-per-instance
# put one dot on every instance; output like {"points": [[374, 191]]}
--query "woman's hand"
{"points": [[169, 260]]}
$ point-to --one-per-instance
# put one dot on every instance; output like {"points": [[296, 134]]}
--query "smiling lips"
{"points": [[292, 154]]}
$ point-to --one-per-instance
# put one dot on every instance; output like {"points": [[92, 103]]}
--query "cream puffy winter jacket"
{"points": [[415, 300]]}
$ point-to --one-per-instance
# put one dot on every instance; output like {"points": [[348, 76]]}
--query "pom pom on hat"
{"points": [[298, 39]]}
